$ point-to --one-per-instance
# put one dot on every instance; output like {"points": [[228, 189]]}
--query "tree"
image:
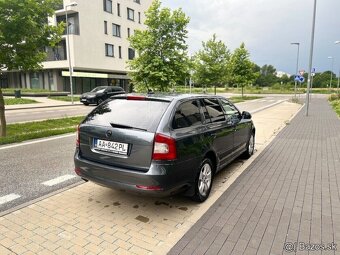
{"points": [[210, 63], [267, 76], [322, 80], [285, 79], [162, 58], [240, 68], [24, 33]]}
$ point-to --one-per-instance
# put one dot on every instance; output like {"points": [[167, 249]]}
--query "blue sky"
{"points": [[267, 27]]}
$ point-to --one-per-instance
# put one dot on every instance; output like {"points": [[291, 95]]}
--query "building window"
{"points": [[109, 50], [137, 1], [131, 53], [108, 6], [130, 14], [118, 9], [50, 80], [59, 6], [120, 51], [105, 27], [139, 17], [115, 30], [128, 31], [56, 53], [36, 80], [73, 23]]}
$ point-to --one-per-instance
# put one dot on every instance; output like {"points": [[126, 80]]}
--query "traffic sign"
{"points": [[299, 78]]}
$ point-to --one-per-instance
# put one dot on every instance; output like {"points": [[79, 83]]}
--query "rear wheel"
{"points": [[86, 104], [250, 147], [203, 181]]}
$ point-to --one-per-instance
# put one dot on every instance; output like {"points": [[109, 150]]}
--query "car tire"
{"points": [[203, 182], [250, 147], [99, 101], [86, 104]]}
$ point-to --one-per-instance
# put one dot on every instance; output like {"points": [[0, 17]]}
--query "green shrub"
{"points": [[334, 97]]}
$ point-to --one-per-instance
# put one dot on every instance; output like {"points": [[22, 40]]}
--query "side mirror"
{"points": [[246, 115]]}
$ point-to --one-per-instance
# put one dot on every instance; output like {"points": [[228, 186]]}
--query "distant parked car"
{"points": [[161, 145], [100, 94]]}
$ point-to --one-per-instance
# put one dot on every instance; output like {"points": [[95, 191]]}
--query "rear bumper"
{"points": [[162, 177]]}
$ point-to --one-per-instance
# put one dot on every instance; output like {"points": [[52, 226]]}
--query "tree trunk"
{"points": [[242, 90], [2, 116]]}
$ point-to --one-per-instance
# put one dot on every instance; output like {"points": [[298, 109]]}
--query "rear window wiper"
{"points": [[126, 127]]}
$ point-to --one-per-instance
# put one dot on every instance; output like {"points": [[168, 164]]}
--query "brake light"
{"points": [[78, 136], [77, 170], [164, 148], [135, 98]]}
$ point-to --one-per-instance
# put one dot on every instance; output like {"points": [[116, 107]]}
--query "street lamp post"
{"points": [[297, 63], [337, 88], [330, 83], [68, 48], [310, 58]]}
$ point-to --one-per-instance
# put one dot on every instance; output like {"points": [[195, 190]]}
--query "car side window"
{"points": [[232, 114], [109, 90], [214, 109], [117, 89], [187, 114], [205, 112]]}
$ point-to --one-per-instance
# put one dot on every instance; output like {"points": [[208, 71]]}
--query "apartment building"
{"points": [[99, 47]]}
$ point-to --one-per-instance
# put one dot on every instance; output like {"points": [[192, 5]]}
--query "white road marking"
{"points": [[58, 180], [8, 198], [39, 141], [265, 107]]}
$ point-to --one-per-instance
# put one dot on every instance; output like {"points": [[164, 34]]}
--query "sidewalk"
{"points": [[287, 199], [90, 219], [44, 102]]}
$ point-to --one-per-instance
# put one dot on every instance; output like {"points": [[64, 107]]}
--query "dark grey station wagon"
{"points": [[161, 145]]}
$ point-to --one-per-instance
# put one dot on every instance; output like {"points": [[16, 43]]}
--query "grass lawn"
{"points": [[335, 102], [336, 106], [65, 98], [11, 90], [238, 99], [12, 101], [31, 130]]}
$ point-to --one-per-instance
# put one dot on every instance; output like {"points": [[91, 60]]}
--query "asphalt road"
{"points": [[13, 116], [33, 169], [32, 114]]}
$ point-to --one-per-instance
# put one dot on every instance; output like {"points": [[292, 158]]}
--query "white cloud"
{"points": [[266, 27]]}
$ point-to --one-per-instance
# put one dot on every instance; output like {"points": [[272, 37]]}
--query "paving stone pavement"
{"points": [[286, 202]]}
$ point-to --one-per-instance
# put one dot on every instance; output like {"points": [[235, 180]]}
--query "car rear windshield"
{"points": [[138, 114]]}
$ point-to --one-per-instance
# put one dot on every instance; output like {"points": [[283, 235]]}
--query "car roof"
{"points": [[166, 96]]}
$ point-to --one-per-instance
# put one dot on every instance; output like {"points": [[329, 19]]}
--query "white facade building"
{"points": [[99, 47]]}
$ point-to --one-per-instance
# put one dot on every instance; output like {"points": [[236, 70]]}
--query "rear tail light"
{"points": [[77, 170], [78, 136], [164, 148]]}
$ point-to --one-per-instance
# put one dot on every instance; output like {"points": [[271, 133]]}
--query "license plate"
{"points": [[109, 146], [83, 99]]}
